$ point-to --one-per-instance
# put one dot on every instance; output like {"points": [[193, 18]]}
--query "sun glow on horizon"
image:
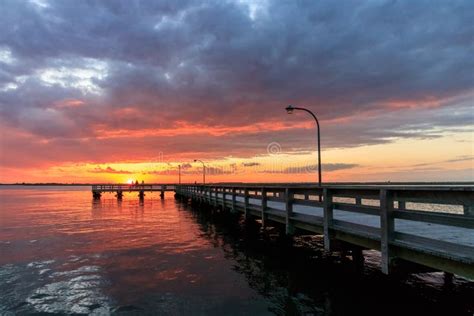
{"points": [[425, 160]]}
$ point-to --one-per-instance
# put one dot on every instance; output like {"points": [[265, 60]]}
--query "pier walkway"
{"points": [[432, 226]]}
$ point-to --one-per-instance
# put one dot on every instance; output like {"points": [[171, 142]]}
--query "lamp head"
{"points": [[289, 109], [195, 160]]}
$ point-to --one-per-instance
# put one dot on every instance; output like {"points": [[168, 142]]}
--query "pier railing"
{"points": [[132, 187], [428, 225], [119, 189]]}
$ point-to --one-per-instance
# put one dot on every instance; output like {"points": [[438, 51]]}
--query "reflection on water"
{"points": [[62, 252]]}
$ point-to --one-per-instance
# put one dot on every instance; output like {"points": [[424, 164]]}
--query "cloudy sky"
{"points": [[106, 91]]}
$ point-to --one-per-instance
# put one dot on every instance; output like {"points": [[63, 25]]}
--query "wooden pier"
{"points": [[141, 189], [429, 225]]}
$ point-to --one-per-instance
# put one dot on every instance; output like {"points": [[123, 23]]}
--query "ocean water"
{"points": [[61, 252]]}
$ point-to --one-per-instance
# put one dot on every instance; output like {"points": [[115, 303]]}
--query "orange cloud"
{"points": [[430, 102], [69, 103], [185, 128]]}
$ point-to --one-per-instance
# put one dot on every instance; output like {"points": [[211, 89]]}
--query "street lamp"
{"points": [[179, 174], [203, 170], [290, 109]]}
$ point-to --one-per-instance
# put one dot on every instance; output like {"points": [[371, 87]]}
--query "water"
{"points": [[61, 252]]}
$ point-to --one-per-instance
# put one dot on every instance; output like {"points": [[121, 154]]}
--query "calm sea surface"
{"points": [[61, 252]]}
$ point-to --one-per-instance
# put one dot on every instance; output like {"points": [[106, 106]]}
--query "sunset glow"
{"points": [[236, 157]]}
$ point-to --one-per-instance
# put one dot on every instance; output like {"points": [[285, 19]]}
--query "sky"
{"points": [[114, 91]]}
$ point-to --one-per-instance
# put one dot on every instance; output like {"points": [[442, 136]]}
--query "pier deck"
{"points": [[429, 225], [119, 189]]}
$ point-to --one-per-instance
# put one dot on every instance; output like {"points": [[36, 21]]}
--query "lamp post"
{"points": [[179, 174], [289, 109], [203, 170]]}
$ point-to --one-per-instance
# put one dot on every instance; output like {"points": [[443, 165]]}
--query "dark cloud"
{"points": [[336, 166], [372, 71], [461, 158], [457, 159], [329, 167], [250, 164], [220, 170], [311, 168], [186, 166]]}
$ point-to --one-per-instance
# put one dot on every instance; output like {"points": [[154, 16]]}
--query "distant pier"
{"points": [[141, 189], [387, 218]]}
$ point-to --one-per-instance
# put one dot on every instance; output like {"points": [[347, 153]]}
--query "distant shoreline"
{"points": [[45, 184]]}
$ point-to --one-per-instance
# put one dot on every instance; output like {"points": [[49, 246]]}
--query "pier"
{"points": [[141, 189], [429, 226]]}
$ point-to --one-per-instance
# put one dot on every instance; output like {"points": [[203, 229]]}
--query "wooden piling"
{"points": [[162, 193]]}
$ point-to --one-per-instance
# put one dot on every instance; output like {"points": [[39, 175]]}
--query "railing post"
{"points": [[264, 207], [469, 210], [401, 205], [233, 201], [387, 227], [163, 188], [216, 195], [289, 211], [246, 204], [328, 217], [223, 198]]}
